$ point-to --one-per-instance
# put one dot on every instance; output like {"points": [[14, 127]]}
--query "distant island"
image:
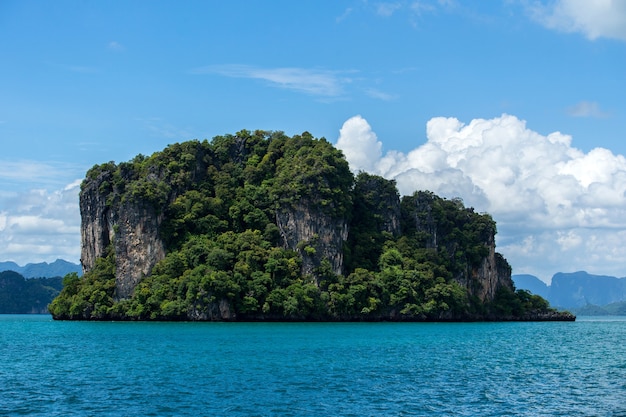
{"points": [[579, 292], [29, 289], [262, 226], [19, 295]]}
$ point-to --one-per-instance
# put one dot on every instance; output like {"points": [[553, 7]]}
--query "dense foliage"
{"points": [[226, 259], [23, 296]]}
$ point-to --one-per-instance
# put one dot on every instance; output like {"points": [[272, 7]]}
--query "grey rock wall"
{"points": [[314, 234], [132, 227]]}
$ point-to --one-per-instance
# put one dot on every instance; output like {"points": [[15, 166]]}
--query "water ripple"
{"points": [[341, 369]]}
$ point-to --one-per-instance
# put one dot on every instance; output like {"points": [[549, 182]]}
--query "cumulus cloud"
{"points": [[39, 225], [359, 144], [557, 208], [594, 19]]}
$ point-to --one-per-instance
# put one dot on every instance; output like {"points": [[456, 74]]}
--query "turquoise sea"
{"points": [[53, 368]]}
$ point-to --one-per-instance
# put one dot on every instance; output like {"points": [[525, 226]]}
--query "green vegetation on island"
{"points": [[227, 210], [19, 295]]}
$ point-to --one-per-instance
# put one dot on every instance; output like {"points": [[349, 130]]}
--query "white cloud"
{"points": [[359, 144], [410, 8], [315, 82], [24, 170], [587, 109], [419, 7], [386, 9], [38, 225], [557, 208], [600, 251], [381, 95], [329, 85], [15, 174], [569, 239], [593, 18]]}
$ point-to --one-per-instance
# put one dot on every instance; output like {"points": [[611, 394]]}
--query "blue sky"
{"points": [[517, 107]]}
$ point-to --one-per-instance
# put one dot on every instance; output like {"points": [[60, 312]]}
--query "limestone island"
{"points": [[260, 226]]}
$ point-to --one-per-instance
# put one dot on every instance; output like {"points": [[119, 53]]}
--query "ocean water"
{"points": [[53, 368]]}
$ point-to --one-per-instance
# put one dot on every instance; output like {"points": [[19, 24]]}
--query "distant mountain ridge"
{"points": [[531, 283], [58, 268], [575, 290]]}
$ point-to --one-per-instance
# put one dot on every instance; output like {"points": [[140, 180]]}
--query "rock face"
{"points": [[379, 201], [123, 209], [313, 234], [482, 271], [493, 273], [138, 246], [131, 227], [97, 224]]}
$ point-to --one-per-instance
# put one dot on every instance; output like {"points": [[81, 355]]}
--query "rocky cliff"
{"points": [[467, 238], [119, 210], [314, 235], [493, 273], [264, 226], [130, 228]]}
